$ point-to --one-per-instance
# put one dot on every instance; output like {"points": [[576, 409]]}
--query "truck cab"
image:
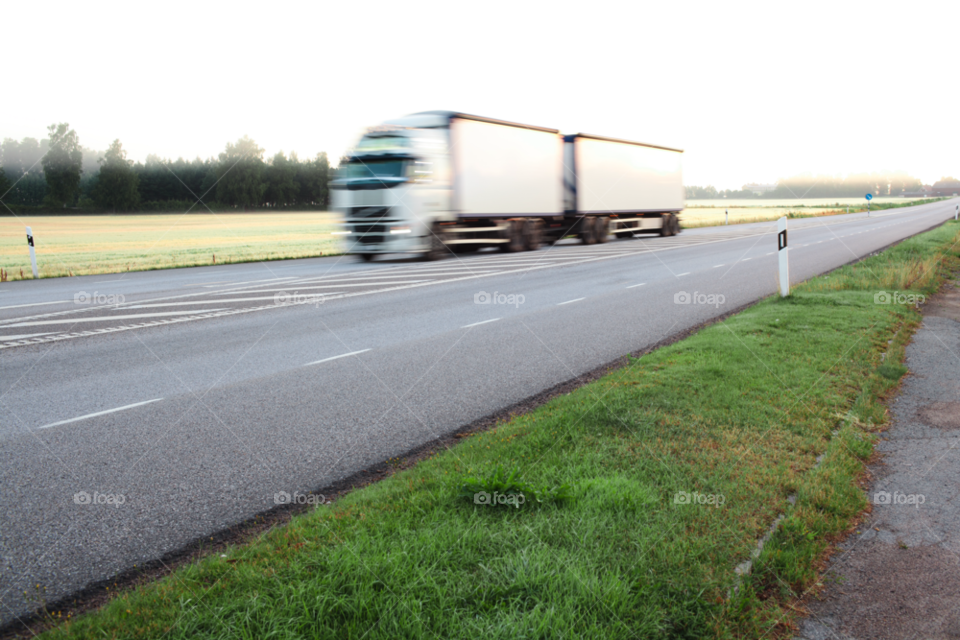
{"points": [[394, 186]]}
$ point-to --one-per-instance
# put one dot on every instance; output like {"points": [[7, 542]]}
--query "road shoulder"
{"points": [[898, 575]]}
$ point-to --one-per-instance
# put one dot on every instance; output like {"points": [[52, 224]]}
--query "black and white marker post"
{"points": [[782, 253], [956, 212], [33, 253]]}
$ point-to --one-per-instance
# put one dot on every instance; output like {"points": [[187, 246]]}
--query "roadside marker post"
{"points": [[33, 253], [782, 253], [956, 212], [726, 216], [869, 197]]}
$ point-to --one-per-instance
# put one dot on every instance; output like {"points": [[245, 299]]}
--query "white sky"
{"points": [[751, 91]]}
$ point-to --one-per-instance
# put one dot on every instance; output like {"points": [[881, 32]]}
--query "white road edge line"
{"points": [[344, 355], [636, 285], [100, 413], [475, 324], [717, 266], [686, 273], [569, 301]]}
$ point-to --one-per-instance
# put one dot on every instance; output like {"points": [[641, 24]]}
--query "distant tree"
{"points": [[24, 156], [701, 192], [117, 183], [190, 177], [5, 184], [946, 180], [240, 174], [281, 178], [315, 181], [62, 164], [208, 187], [21, 164], [902, 182]]}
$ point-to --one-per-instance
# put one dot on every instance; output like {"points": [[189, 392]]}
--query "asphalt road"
{"points": [[139, 412]]}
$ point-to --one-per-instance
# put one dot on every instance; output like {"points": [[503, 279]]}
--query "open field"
{"points": [[96, 244], [695, 217], [698, 215], [789, 202], [83, 245], [642, 492]]}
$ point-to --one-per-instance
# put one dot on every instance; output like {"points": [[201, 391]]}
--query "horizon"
{"points": [[743, 95]]}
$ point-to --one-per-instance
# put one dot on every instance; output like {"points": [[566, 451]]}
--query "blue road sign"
{"points": [[869, 196]]}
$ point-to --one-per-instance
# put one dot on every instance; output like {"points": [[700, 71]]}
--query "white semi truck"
{"points": [[440, 182]]}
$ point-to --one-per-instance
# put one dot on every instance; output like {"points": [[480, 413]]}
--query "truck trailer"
{"points": [[439, 182]]}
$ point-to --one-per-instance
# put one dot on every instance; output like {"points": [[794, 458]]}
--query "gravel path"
{"points": [[899, 575]]}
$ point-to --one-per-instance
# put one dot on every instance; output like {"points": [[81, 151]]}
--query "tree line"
{"points": [[811, 186], [57, 172]]}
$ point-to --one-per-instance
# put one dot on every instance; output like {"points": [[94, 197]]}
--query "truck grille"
{"points": [[370, 224], [370, 233]]}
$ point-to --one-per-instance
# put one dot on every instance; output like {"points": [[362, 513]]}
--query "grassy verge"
{"points": [[86, 245], [641, 493]]}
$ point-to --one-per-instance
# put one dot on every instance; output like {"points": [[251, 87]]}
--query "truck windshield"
{"points": [[374, 169]]}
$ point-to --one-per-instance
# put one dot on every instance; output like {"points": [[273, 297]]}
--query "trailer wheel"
{"points": [[587, 235], [676, 223], [601, 229], [366, 257], [532, 234], [437, 249], [666, 230], [513, 233]]}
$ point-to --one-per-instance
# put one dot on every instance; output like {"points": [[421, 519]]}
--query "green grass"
{"points": [[740, 410]]}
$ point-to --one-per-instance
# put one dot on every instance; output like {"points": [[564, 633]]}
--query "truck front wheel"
{"points": [[437, 249]]}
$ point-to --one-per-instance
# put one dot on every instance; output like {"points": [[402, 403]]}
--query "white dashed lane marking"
{"points": [[477, 324], [342, 355], [99, 413]]}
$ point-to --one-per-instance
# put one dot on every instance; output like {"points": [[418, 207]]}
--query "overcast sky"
{"points": [[752, 92]]}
